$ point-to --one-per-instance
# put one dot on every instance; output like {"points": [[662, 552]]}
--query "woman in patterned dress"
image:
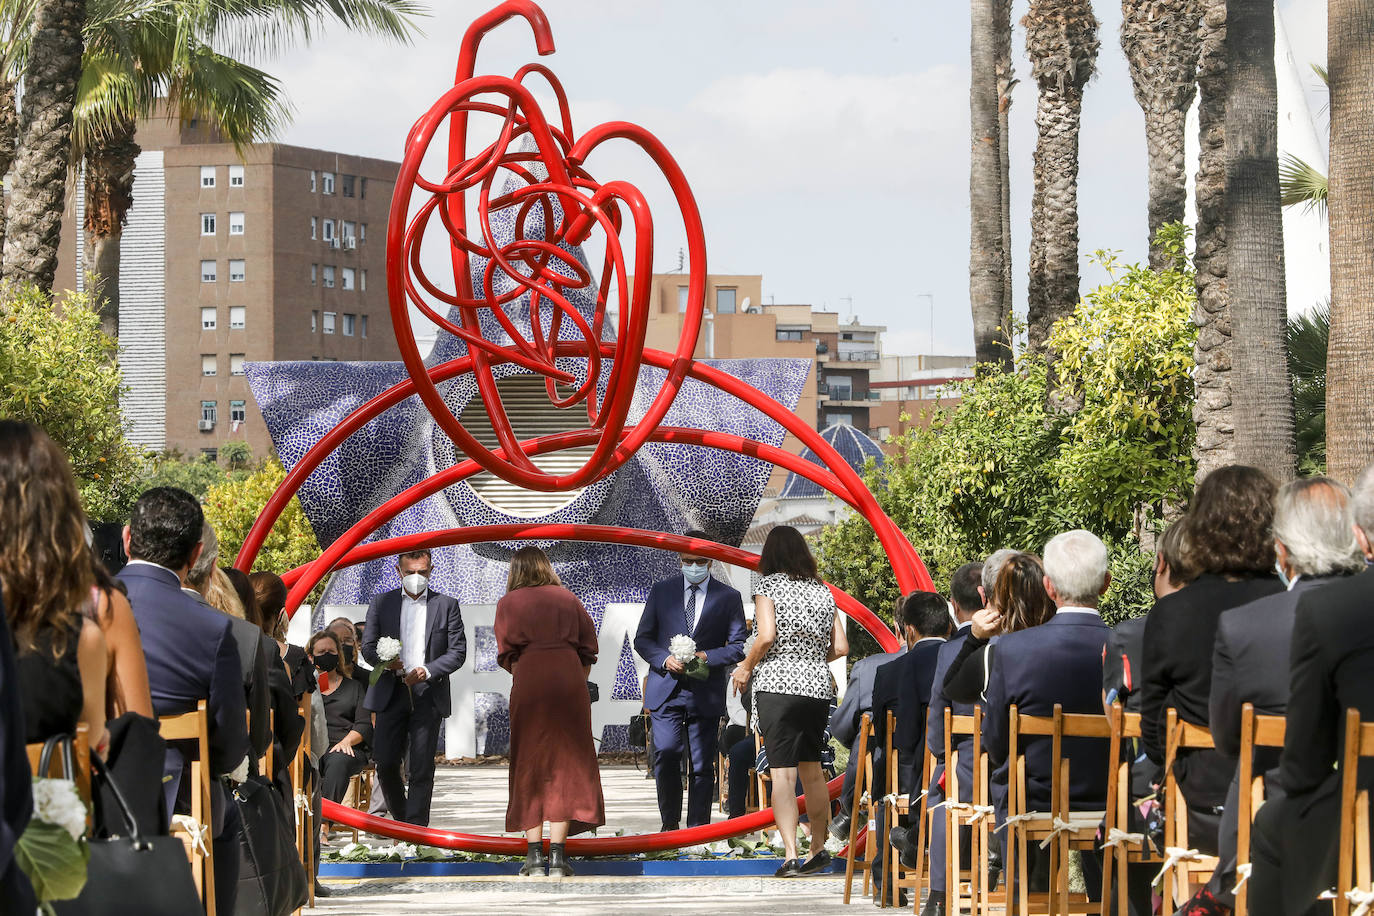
{"points": [[798, 632]]}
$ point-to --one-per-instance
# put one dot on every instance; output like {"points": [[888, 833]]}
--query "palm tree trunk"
{"points": [[9, 125], [1261, 389], [1061, 39], [38, 196], [1005, 81], [109, 194], [1349, 385], [1160, 40], [987, 257], [1212, 411]]}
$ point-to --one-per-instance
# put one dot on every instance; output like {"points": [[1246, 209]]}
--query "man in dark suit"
{"points": [[191, 656], [1296, 835], [411, 698], [1315, 542], [1058, 662], [682, 708]]}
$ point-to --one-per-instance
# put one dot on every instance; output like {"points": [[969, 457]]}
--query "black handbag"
{"points": [[136, 758], [132, 875], [271, 876], [639, 731]]}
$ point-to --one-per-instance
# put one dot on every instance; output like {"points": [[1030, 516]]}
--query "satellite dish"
{"points": [[744, 306]]}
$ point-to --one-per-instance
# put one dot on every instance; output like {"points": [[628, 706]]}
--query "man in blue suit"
{"points": [[412, 698], [682, 708], [191, 656]]}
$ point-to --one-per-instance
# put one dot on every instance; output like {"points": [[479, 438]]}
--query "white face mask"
{"points": [[696, 573], [415, 584]]}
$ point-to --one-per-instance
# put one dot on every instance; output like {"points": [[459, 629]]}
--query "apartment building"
{"points": [[270, 253]]}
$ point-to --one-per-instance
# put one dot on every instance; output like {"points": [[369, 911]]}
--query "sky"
{"points": [[826, 143]]}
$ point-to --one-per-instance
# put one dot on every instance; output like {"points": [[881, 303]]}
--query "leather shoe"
{"points": [[322, 891], [819, 862], [935, 906], [994, 869], [558, 864], [790, 868], [839, 826], [665, 827]]}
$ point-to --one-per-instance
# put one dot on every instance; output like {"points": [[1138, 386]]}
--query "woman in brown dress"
{"points": [[547, 642]]}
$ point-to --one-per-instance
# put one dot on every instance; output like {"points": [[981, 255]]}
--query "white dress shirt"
{"points": [[700, 603], [414, 629]]}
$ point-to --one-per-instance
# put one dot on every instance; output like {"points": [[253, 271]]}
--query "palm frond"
{"points": [[1307, 336], [1321, 73], [244, 103], [110, 91], [255, 28], [1301, 183]]}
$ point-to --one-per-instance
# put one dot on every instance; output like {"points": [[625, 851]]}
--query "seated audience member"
{"points": [[1295, 840], [205, 581], [126, 684], [1314, 537], [191, 656], [1056, 663], [1229, 539], [844, 724], [46, 578], [967, 588], [287, 724], [271, 594], [347, 634], [347, 721]]}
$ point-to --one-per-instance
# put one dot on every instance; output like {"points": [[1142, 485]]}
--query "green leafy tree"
{"points": [[56, 374], [194, 475], [1308, 335], [234, 505]]}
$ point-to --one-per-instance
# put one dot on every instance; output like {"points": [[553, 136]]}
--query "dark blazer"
{"points": [[257, 690], [446, 647], [1121, 661], [289, 726], [16, 785], [903, 686], [191, 656], [720, 633], [858, 696], [1060, 662], [935, 716]]}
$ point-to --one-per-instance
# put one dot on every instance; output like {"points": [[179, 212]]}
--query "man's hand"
{"points": [[415, 676], [673, 666], [394, 665], [343, 749], [987, 623], [701, 655]]}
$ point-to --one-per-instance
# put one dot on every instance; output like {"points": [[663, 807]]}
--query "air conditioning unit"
{"points": [[207, 425], [350, 243], [334, 242]]}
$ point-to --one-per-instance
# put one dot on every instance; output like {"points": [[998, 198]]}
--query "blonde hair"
{"points": [[221, 595], [530, 567]]}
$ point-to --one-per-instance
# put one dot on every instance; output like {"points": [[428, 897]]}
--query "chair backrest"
{"points": [[1056, 727], [1255, 731], [195, 726], [81, 753], [1353, 868], [963, 727]]}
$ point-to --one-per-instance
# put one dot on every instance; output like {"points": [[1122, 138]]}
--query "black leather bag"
{"points": [[639, 731], [133, 874], [136, 759], [271, 876]]}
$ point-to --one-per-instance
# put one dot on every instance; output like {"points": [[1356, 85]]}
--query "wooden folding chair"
{"points": [[81, 763], [762, 778], [1185, 869], [1122, 849], [1255, 731], [305, 844], [1060, 829], [897, 876], [1353, 881], [965, 882], [359, 794], [861, 810], [194, 726]]}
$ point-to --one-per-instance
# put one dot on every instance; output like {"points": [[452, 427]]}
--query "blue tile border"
{"points": [[619, 868]]}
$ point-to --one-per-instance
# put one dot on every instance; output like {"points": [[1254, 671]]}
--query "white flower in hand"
{"points": [[683, 648]]}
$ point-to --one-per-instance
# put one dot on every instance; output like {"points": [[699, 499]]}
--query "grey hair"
{"points": [[1076, 565], [1313, 519], [992, 566], [198, 576], [1362, 500]]}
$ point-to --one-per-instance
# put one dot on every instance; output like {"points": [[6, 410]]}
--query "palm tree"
{"points": [[1301, 182], [1061, 38], [987, 254], [1160, 39], [51, 72], [1308, 337], [1261, 390], [1350, 406], [1006, 80]]}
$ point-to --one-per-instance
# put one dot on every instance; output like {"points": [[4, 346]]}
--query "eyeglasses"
{"points": [[696, 562]]}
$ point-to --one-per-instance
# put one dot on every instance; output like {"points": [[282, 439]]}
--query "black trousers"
{"points": [[742, 759], [336, 769], [408, 728], [679, 731]]}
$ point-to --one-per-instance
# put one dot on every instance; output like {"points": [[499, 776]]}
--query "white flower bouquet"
{"points": [[51, 850], [684, 649], [388, 650]]}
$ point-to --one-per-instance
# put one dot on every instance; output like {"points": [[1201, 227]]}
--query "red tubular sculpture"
{"points": [[573, 205]]}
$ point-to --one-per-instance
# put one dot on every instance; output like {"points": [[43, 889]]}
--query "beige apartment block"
{"points": [[270, 253]]}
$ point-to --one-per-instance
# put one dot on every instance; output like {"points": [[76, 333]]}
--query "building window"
{"points": [[208, 412], [207, 224], [208, 319], [209, 454], [884, 432], [681, 299], [327, 182], [725, 302], [839, 419], [789, 335], [362, 279], [362, 187], [208, 364], [329, 322], [236, 364], [238, 317], [348, 274], [207, 271], [236, 224], [328, 278], [314, 270], [314, 227], [347, 183], [362, 325], [362, 233], [235, 176], [314, 320], [207, 176], [329, 230], [348, 229], [312, 181], [238, 411], [237, 271], [348, 322]]}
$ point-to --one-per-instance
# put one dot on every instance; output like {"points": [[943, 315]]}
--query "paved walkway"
{"points": [[473, 799]]}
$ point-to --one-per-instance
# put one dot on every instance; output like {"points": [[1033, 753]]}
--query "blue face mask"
{"points": [[1283, 576], [696, 573]]}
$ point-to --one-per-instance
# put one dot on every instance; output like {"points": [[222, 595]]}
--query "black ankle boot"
{"points": [[534, 861], [558, 862]]}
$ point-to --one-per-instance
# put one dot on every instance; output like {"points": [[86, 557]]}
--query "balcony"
{"points": [[858, 356]]}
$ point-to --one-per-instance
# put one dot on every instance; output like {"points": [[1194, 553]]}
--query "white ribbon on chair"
{"points": [[1118, 837], [1022, 818], [1242, 875], [981, 812], [1069, 826], [196, 831], [1363, 900], [1173, 855], [302, 801]]}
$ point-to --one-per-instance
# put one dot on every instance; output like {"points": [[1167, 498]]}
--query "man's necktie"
{"points": [[689, 609]]}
